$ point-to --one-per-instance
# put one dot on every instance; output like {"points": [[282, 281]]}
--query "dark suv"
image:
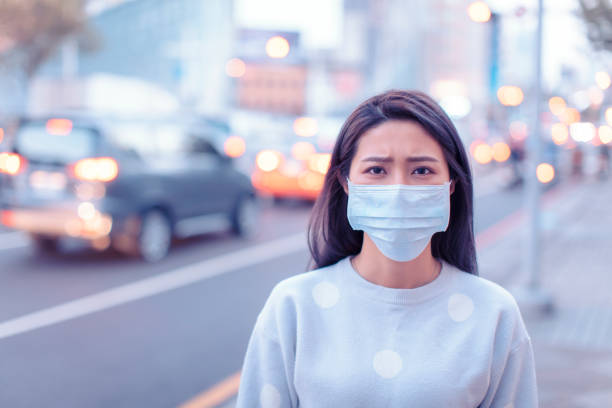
{"points": [[132, 184]]}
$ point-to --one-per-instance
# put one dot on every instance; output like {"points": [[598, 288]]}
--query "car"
{"points": [[129, 183], [298, 174]]}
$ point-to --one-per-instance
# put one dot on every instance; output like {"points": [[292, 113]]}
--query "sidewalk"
{"points": [[573, 345]]}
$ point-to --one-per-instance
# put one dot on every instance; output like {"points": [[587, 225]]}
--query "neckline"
{"points": [[396, 295]]}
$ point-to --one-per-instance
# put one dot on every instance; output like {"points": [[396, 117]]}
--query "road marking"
{"points": [[12, 240], [217, 394], [165, 282]]}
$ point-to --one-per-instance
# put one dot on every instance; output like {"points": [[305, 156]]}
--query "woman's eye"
{"points": [[422, 171], [375, 170]]}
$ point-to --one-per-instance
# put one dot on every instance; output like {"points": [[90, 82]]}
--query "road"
{"points": [[87, 329]]}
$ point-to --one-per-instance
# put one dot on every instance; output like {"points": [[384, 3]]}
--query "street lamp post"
{"points": [[533, 296]]}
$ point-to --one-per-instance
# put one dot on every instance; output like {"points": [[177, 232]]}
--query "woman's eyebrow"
{"points": [[411, 159]]}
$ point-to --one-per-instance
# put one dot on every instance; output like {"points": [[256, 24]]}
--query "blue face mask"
{"points": [[400, 219]]}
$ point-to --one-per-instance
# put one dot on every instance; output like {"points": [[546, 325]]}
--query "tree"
{"points": [[597, 15], [32, 30]]}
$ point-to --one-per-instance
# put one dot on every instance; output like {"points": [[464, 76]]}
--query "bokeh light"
{"points": [[479, 12], [268, 160], [557, 105], [319, 162], [569, 116], [582, 131], [608, 116], [305, 127], [560, 133], [510, 95], [596, 96], [501, 152], [235, 68], [234, 146], [545, 173], [302, 150], [602, 79], [277, 47], [1, 134], [605, 134], [59, 127], [483, 153]]}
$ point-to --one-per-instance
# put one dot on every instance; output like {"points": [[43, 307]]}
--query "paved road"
{"points": [[138, 335]]}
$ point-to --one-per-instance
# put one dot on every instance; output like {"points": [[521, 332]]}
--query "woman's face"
{"points": [[399, 152]]}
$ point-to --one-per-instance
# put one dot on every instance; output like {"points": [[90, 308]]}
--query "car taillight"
{"points": [[97, 169], [11, 163]]}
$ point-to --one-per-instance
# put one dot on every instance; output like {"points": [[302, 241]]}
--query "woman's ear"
{"points": [[452, 187]]}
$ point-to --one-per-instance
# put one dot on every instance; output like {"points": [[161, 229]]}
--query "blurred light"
{"points": [[90, 191], [268, 160], [101, 244], [605, 134], [457, 106], [560, 133], [545, 173], [479, 12], [483, 153], [86, 211], [44, 180], [474, 144], [510, 95], [7, 218], [305, 127], [596, 96], [311, 181], [443, 88], [608, 115], [581, 99], [501, 152], [582, 131], [302, 150], [235, 68], [72, 227], [1, 134], [602, 79], [596, 141], [234, 146], [11, 163], [277, 47], [59, 127], [518, 131], [101, 169], [557, 105], [319, 162], [570, 115]]}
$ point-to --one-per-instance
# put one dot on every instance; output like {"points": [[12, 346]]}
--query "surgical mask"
{"points": [[400, 219]]}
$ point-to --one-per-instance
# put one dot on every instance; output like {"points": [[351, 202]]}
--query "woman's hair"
{"points": [[331, 238]]}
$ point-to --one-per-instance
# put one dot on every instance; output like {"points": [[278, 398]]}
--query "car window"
{"points": [[36, 141]]}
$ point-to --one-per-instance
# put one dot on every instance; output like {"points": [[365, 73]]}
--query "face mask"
{"points": [[400, 219]]}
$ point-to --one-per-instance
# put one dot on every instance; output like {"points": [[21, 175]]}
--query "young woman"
{"points": [[395, 315]]}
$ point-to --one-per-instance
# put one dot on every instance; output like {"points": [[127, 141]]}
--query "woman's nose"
{"points": [[400, 177]]}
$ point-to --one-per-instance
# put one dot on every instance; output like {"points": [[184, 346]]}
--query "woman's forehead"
{"points": [[398, 137]]}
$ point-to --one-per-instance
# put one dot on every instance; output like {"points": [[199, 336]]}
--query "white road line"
{"points": [[12, 240], [151, 286]]}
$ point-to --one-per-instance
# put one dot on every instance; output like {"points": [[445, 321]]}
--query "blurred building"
{"points": [[274, 84], [180, 46]]}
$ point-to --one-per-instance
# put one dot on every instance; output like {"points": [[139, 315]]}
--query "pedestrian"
{"points": [[394, 313]]}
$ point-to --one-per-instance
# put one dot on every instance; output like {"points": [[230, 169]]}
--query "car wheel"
{"points": [[155, 236], [45, 245], [244, 216]]}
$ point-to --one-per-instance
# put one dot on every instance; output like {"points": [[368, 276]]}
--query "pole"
{"points": [[533, 296]]}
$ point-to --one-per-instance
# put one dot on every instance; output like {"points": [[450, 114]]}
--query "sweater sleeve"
{"points": [[513, 383], [267, 372]]}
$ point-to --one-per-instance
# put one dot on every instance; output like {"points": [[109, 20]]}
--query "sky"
{"points": [[318, 21]]}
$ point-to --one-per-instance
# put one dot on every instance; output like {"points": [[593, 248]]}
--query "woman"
{"points": [[395, 315]]}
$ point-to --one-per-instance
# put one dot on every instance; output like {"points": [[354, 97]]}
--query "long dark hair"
{"points": [[331, 238]]}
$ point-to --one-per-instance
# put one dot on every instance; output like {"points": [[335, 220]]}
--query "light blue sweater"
{"points": [[330, 338]]}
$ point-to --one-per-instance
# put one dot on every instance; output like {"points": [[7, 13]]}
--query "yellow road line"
{"points": [[215, 395]]}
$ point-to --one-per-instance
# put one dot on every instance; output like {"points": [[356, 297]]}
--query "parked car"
{"points": [[133, 184]]}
